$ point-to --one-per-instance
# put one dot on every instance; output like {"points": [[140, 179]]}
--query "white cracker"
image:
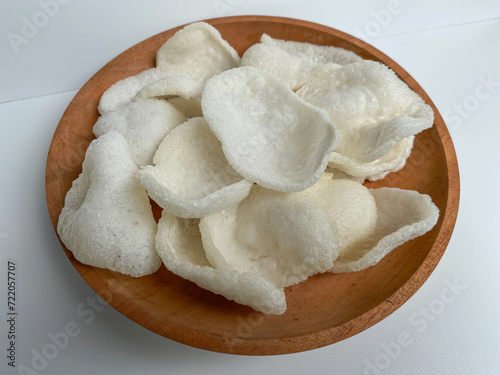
{"points": [[268, 134], [295, 62], [284, 238], [373, 109], [393, 161], [197, 51], [318, 53], [170, 87], [401, 216], [179, 244], [144, 124], [188, 107], [182, 92], [107, 220], [191, 177], [122, 92], [350, 207]]}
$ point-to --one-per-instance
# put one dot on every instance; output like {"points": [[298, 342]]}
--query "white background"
{"points": [[450, 47]]}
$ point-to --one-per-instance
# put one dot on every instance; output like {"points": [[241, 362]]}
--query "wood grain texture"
{"points": [[322, 310]]}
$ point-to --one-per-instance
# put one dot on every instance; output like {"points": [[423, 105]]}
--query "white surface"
{"points": [[450, 48]]}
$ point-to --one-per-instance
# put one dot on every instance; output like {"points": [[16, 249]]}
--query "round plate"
{"points": [[322, 310]]}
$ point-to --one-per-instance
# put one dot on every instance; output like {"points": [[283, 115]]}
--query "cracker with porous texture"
{"points": [[268, 134], [296, 62], [191, 177], [284, 238], [373, 109], [402, 215], [179, 244], [375, 170], [144, 125], [182, 92], [122, 92], [107, 219], [197, 51], [170, 87]]}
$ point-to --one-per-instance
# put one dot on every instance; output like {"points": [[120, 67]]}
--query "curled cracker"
{"points": [[373, 109], [268, 134], [191, 178], [179, 244], [401, 216], [296, 62]]}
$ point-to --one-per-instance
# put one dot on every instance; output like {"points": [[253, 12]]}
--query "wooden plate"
{"points": [[322, 310]]}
